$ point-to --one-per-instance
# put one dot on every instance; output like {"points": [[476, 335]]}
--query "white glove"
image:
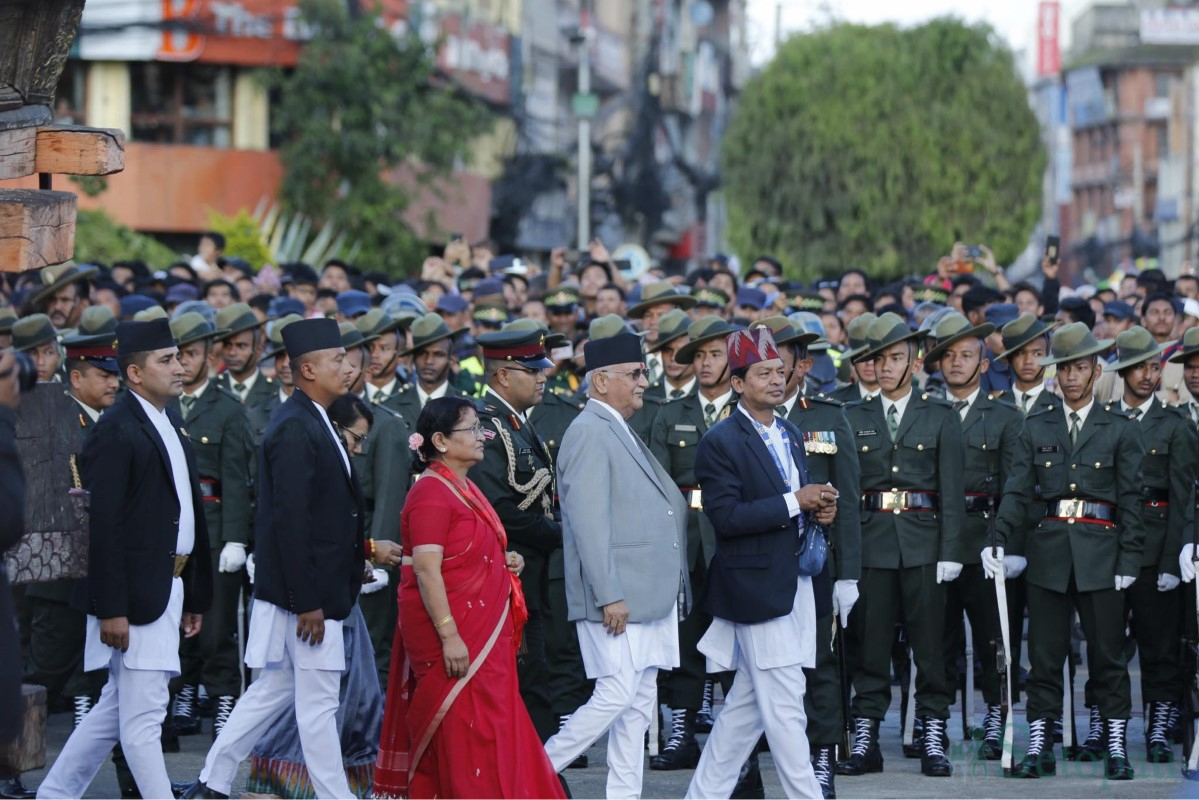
{"points": [[1124, 581], [1186, 562], [250, 567], [948, 571], [993, 561], [845, 595], [379, 582], [233, 557], [1167, 582], [1013, 566]]}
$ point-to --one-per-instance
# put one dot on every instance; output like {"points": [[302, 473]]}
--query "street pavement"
{"points": [[901, 778]]}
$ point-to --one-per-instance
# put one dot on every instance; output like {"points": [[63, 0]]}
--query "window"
{"points": [[70, 106], [181, 103], [1163, 141], [1164, 81]]}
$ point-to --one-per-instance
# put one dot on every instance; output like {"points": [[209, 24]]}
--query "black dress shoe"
{"points": [[13, 788], [749, 782], [131, 794], [196, 789], [933, 762]]}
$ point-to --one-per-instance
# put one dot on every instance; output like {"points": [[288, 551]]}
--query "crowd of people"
{"points": [[435, 537]]}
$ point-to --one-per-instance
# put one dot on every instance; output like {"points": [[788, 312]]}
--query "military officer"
{"points": [[517, 476], [910, 452], [241, 348], [1167, 510], [991, 435], [1082, 460], [864, 384], [828, 446], [674, 435], [430, 351], [220, 432], [656, 300]]}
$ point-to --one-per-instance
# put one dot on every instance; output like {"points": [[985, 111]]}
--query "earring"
{"points": [[441, 449]]}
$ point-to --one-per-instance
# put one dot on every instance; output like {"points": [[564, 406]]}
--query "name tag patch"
{"points": [[686, 428], [870, 432], [1053, 448]]}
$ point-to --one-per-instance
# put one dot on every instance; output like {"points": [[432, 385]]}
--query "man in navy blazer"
{"points": [[754, 477]]}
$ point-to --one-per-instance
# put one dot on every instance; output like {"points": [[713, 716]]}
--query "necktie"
{"points": [[380, 396], [781, 411], [655, 371], [1135, 413], [958, 405], [240, 388], [675, 394], [1025, 401], [893, 420], [1075, 422], [187, 401], [709, 414]]}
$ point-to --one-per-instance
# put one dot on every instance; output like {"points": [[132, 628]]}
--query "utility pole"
{"points": [[585, 106]]}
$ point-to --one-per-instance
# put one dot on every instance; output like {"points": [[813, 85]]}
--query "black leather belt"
{"points": [[980, 503], [1080, 509], [899, 502]]}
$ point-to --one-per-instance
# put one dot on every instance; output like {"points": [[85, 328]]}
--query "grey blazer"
{"points": [[624, 523]]}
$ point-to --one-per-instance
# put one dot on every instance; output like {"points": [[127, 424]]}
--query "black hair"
{"points": [[893, 308], [233, 292], [348, 409], [440, 415], [321, 294], [261, 302], [1079, 310], [184, 266], [613, 287], [860, 273], [125, 361], [772, 261], [218, 239], [82, 364], [856, 298], [1158, 297]]}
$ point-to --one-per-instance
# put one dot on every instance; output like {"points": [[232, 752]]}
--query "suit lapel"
{"points": [[310, 407], [149, 429], [909, 415], [626, 439]]}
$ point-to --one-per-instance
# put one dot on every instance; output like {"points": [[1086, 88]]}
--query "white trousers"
{"points": [[761, 700], [621, 705], [132, 707], [314, 693]]}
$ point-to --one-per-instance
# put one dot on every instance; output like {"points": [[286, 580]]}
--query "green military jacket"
{"points": [[926, 456], [219, 429], [991, 436], [849, 393], [674, 439], [517, 476], [1104, 465], [552, 416], [406, 402], [829, 449], [1168, 473], [384, 469], [262, 400]]}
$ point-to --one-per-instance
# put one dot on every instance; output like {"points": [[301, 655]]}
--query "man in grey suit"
{"points": [[625, 548]]}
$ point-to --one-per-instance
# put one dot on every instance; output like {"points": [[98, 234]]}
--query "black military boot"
{"points": [[224, 707], [83, 704], [916, 748], [824, 761], [749, 783], [186, 716], [1118, 767], [704, 719], [681, 750], [992, 746], [1092, 747], [864, 753], [933, 761], [195, 789], [12, 787], [1039, 759], [582, 761], [1158, 749]]}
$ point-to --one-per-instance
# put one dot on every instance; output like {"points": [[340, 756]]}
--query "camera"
{"points": [[26, 372]]}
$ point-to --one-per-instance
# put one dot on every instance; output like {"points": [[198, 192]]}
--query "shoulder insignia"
{"points": [[995, 395], [269, 379], [1107, 407], [1036, 412], [924, 396], [222, 389], [82, 421], [404, 388], [803, 402], [376, 407]]}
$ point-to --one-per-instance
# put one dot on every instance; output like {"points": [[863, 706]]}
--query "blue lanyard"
{"points": [[763, 431]]}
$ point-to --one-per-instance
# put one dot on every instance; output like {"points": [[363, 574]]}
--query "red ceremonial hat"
{"points": [[747, 347]]}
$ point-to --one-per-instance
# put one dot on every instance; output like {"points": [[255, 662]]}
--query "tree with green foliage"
{"points": [[879, 147], [99, 237], [362, 103]]}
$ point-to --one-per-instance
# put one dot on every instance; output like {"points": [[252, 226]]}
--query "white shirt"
{"points": [[180, 476], [1032, 395], [1082, 413], [377, 394], [433, 395], [1126, 409], [337, 440], [522, 417], [198, 393], [686, 388], [775, 432], [270, 626], [901, 406], [283, 395], [616, 416], [970, 398], [789, 405], [92, 413], [719, 402], [864, 392], [248, 383]]}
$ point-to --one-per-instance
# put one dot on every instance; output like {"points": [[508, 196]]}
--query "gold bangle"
{"points": [[444, 620]]}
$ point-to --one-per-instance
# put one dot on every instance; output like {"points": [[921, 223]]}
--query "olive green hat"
{"points": [[1072, 342], [32, 331], [58, 276], [429, 329], [236, 318], [1190, 346], [661, 292], [954, 328], [885, 331], [1134, 346], [7, 318], [96, 320], [606, 326], [193, 327], [857, 332], [563, 297], [806, 301], [785, 332], [352, 337], [151, 313], [377, 322], [552, 340], [671, 326], [706, 330], [274, 334], [1020, 331]]}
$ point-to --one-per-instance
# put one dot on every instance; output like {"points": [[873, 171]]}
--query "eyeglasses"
{"points": [[359, 439], [475, 430], [529, 370], [635, 374]]}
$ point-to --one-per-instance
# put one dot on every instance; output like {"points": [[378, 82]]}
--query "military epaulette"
{"points": [[1037, 411], [824, 399], [269, 379], [929, 397], [488, 408], [1178, 411], [225, 390], [377, 407], [996, 395], [862, 401]]}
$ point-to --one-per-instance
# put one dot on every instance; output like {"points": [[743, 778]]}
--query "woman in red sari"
{"points": [[455, 725]]}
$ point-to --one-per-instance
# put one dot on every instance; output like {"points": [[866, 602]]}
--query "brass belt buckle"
{"points": [[696, 500], [1070, 508], [894, 501], [180, 563]]}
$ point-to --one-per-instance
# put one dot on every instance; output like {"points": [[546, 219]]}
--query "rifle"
{"points": [[843, 669], [1191, 659], [1003, 659]]}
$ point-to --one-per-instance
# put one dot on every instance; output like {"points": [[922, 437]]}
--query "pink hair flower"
{"points": [[415, 441]]}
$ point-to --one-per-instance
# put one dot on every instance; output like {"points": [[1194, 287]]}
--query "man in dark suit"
{"points": [[309, 568], [12, 521], [148, 565], [764, 612]]}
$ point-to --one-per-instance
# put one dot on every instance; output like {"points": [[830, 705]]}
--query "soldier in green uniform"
{"points": [[910, 452], [678, 380], [673, 439], [275, 350], [219, 429], [1168, 474], [1190, 372], [864, 384], [828, 446], [709, 302], [382, 381], [656, 300], [517, 476], [1082, 461], [430, 353], [991, 435], [241, 346]]}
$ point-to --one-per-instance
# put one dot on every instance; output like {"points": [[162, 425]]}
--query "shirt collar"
{"points": [[439, 392], [789, 405], [864, 392], [497, 396], [93, 414], [387, 390], [249, 383], [1125, 408], [901, 404], [686, 388], [1082, 413], [964, 410], [153, 413], [198, 393], [612, 412], [719, 402]]}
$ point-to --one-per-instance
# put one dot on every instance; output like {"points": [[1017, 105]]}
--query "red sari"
{"points": [[459, 737]]}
